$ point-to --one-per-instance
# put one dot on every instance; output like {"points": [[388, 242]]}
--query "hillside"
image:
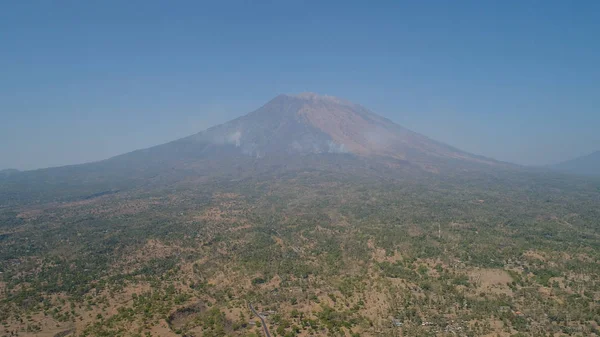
{"points": [[586, 165], [6, 172], [327, 218]]}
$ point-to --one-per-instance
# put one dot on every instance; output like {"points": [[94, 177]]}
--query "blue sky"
{"points": [[85, 80]]}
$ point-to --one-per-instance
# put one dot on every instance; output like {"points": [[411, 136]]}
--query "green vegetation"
{"points": [[320, 253]]}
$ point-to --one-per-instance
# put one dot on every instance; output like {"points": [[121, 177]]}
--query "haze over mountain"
{"points": [[288, 132], [585, 165], [8, 171], [310, 123]]}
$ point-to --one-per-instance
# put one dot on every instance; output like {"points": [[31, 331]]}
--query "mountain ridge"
{"points": [[584, 165]]}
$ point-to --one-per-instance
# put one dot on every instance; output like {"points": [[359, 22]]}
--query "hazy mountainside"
{"points": [[293, 125], [586, 165], [306, 130], [309, 123], [6, 172]]}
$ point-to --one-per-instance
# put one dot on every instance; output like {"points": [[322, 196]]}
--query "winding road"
{"points": [[262, 320]]}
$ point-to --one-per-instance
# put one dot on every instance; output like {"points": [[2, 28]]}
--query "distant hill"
{"points": [[585, 165], [6, 172]]}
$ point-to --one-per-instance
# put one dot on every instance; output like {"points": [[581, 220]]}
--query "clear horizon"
{"points": [[83, 82]]}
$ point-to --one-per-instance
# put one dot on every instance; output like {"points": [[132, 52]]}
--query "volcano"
{"points": [[315, 124], [305, 131]]}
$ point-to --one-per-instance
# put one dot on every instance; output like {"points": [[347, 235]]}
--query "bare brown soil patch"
{"points": [[491, 281], [534, 255]]}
